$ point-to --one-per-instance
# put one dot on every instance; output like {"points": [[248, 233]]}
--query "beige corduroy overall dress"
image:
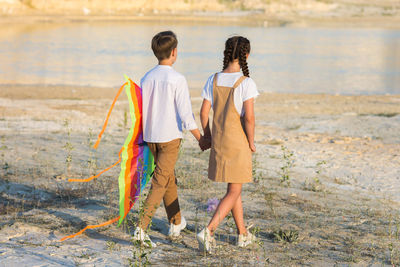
{"points": [[230, 157]]}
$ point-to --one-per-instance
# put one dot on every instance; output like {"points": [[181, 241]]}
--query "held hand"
{"points": [[252, 148], [204, 143], [208, 142]]}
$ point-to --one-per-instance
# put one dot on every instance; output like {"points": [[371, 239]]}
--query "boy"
{"points": [[166, 108]]}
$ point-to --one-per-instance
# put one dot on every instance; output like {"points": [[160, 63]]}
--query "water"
{"points": [[292, 60]]}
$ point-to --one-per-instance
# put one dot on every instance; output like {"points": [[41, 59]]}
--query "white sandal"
{"points": [[140, 235], [206, 241], [245, 240]]}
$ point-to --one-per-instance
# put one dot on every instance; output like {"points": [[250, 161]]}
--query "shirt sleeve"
{"points": [[207, 90], [250, 90], [184, 106]]}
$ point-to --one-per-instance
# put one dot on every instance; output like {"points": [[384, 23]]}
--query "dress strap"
{"points": [[239, 81], [215, 80]]}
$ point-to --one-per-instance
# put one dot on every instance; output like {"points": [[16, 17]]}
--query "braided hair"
{"points": [[237, 47]]}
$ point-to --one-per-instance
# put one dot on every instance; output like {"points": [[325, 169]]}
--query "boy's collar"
{"points": [[168, 66]]}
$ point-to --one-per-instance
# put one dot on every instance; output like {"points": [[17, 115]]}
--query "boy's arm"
{"points": [[184, 106], [249, 122], [196, 133]]}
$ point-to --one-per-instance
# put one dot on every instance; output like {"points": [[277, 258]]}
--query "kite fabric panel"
{"points": [[137, 162]]}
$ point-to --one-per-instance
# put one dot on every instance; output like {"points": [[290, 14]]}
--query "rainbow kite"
{"points": [[137, 160]]}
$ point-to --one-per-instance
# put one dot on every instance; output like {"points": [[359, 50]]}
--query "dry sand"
{"points": [[340, 200]]}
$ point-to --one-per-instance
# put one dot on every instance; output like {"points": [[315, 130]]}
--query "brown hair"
{"points": [[163, 43], [237, 47]]}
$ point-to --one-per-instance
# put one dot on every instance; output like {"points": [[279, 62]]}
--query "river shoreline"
{"points": [[253, 20]]}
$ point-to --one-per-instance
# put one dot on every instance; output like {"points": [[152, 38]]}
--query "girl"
{"points": [[231, 95]]}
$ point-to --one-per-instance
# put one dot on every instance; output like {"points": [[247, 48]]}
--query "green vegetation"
{"points": [[288, 164]]}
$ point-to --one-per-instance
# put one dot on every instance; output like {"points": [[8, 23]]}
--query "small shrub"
{"points": [[68, 148], [288, 165], [288, 236]]}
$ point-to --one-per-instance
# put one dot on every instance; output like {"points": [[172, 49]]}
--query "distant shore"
{"points": [[307, 13], [254, 20]]}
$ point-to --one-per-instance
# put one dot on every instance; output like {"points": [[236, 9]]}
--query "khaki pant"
{"points": [[163, 183]]}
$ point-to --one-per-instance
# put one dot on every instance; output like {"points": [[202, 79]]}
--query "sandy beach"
{"points": [[326, 190]]}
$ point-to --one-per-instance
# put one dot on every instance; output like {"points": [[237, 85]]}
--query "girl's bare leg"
{"points": [[225, 206], [237, 212]]}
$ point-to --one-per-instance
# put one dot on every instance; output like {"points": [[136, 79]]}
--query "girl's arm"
{"points": [[204, 112], [249, 122]]}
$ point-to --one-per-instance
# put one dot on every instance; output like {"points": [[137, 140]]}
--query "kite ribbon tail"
{"points": [[108, 116], [91, 227], [100, 173]]}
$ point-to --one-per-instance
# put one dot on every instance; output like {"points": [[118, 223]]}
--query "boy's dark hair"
{"points": [[237, 47], [163, 43]]}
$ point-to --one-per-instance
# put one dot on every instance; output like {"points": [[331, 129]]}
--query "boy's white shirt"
{"points": [[166, 105]]}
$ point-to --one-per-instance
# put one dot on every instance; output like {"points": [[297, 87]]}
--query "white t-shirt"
{"points": [[166, 105], [245, 91]]}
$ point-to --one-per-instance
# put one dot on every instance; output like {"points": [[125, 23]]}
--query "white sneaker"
{"points": [[140, 235], [245, 240], [175, 230], [206, 241]]}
